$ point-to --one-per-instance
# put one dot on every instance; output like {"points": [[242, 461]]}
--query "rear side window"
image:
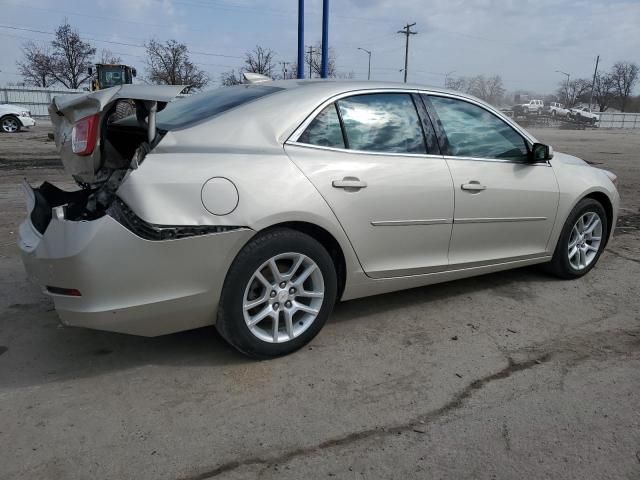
{"points": [[324, 130], [382, 122], [186, 111]]}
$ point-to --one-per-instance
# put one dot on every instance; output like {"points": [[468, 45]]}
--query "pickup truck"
{"points": [[556, 109], [584, 114]]}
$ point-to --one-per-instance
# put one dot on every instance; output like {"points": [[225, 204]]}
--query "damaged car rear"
{"points": [[104, 266]]}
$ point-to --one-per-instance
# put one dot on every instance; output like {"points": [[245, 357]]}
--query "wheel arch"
{"points": [[11, 115], [327, 240], [606, 203]]}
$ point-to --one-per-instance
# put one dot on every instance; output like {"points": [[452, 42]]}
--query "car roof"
{"points": [[271, 119]]}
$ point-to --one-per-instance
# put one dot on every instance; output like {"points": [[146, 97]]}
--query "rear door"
{"points": [[505, 206], [379, 168]]}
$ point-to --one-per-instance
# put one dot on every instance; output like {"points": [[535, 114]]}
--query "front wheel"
{"points": [[10, 124], [278, 294], [582, 240]]}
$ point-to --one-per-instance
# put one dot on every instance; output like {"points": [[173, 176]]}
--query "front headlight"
{"points": [[25, 114]]}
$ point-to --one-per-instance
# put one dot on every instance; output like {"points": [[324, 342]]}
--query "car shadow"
{"points": [[36, 349]]}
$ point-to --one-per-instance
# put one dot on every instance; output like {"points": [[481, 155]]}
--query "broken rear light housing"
{"points": [[84, 135]]}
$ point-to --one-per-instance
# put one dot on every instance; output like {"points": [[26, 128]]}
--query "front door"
{"points": [[384, 179], [505, 206]]}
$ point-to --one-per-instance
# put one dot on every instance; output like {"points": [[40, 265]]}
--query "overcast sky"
{"points": [[523, 41]]}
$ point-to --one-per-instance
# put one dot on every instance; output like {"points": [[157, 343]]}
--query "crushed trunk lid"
{"points": [[67, 110]]}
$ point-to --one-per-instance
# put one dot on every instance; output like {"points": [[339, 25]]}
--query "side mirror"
{"points": [[90, 70], [134, 72], [540, 153]]}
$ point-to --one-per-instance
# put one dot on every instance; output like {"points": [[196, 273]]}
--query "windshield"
{"points": [[112, 76], [184, 112]]}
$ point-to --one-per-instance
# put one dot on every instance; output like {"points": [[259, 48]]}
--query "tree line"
{"points": [[66, 60]]}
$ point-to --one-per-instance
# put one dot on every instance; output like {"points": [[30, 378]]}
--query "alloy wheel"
{"points": [[585, 240], [283, 297], [10, 125]]}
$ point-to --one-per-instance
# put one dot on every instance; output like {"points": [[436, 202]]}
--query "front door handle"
{"points": [[473, 186], [349, 183]]}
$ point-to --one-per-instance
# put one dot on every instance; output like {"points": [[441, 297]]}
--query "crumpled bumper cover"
{"points": [[129, 284]]}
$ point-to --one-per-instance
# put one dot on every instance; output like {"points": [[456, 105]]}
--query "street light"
{"points": [[369, 53]]}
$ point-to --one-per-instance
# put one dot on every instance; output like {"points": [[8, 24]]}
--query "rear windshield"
{"points": [[183, 112]]}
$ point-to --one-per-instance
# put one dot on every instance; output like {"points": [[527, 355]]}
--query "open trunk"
{"points": [[97, 149]]}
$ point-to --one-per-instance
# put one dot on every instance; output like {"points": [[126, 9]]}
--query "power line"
{"points": [[113, 42]]}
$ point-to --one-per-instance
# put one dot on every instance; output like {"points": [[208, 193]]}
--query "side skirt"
{"points": [[363, 286]]}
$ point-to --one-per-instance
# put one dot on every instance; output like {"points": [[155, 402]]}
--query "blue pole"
{"points": [[300, 38], [325, 39]]}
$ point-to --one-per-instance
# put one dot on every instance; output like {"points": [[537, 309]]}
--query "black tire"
{"points": [[231, 323], [560, 265], [10, 124], [123, 109]]}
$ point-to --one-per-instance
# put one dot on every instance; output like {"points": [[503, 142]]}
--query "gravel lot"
{"points": [[511, 375]]}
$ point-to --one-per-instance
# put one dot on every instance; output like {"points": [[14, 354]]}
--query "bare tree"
{"points": [[603, 91], [109, 58], [456, 83], [230, 78], [71, 57], [489, 89], [169, 64], [36, 67], [260, 60], [573, 91], [624, 76], [313, 62]]}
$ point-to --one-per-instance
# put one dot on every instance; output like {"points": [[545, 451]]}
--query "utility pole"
{"points": [[369, 70], [284, 69], [324, 65], [566, 88], [593, 83], [310, 59], [406, 31], [300, 73]]}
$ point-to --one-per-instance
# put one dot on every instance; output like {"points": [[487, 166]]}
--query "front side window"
{"points": [[473, 131], [324, 130], [382, 122]]}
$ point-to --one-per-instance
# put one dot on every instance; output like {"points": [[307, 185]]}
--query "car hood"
{"points": [[66, 110], [10, 108]]}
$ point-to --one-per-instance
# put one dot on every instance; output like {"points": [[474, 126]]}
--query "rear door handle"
{"points": [[349, 182], [473, 186]]}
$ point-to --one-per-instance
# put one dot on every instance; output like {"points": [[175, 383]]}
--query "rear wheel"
{"points": [[10, 124], [581, 241], [278, 294]]}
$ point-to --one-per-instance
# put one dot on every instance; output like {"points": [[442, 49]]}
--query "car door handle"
{"points": [[473, 186], [349, 182]]}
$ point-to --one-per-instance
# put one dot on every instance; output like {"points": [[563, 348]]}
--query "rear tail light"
{"points": [[69, 292], [84, 135]]}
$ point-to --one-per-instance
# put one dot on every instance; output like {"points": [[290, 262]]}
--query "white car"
{"points": [[556, 109], [534, 106], [14, 117], [584, 114]]}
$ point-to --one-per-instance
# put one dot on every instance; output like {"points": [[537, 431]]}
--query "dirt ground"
{"points": [[510, 375]]}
